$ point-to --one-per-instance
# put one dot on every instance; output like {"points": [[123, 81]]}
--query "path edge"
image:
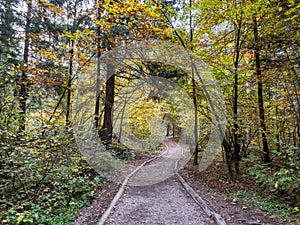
{"points": [[217, 217], [119, 194]]}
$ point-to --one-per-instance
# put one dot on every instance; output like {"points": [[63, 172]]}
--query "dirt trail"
{"points": [[162, 203], [162, 168], [155, 196]]}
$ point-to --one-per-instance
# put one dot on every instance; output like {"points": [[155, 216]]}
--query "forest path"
{"points": [[156, 196], [162, 167], [162, 203]]}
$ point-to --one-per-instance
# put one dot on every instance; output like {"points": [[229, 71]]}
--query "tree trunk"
{"points": [[168, 129], [121, 123], [69, 85], [107, 128], [24, 78], [263, 127], [98, 84], [236, 144], [227, 150], [196, 150]]}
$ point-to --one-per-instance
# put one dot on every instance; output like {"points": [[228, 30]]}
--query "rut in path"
{"points": [[155, 196]]}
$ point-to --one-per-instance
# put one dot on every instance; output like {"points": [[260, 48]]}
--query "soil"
{"points": [[166, 202], [210, 185]]}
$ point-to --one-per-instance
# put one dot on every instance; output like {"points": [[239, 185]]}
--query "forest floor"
{"points": [[165, 201], [212, 185]]}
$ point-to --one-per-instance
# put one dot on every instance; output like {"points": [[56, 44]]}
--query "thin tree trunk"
{"points": [[196, 150], [236, 144], [24, 78], [263, 126], [173, 130], [121, 123], [168, 129], [277, 129], [69, 85], [219, 126], [227, 150], [98, 84], [297, 109]]}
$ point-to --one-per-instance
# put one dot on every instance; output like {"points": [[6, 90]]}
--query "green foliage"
{"points": [[44, 180], [120, 151], [144, 114], [282, 177], [273, 207]]}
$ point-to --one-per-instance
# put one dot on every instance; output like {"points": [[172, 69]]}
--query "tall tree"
{"points": [[69, 83], [99, 9], [24, 67], [126, 21], [196, 133], [238, 30], [220, 42], [76, 36], [259, 75], [107, 127]]}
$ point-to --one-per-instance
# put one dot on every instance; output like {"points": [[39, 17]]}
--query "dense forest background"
{"points": [[251, 47]]}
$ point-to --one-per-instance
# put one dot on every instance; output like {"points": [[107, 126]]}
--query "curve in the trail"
{"points": [[163, 200], [163, 167]]}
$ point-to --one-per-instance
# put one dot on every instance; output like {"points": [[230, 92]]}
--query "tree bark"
{"points": [[98, 83], [107, 128], [196, 150], [263, 126], [227, 149], [69, 85], [236, 144], [24, 77]]}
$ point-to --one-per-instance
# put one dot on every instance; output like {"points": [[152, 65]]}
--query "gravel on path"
{"points": [[154, 195], [163, 203]]}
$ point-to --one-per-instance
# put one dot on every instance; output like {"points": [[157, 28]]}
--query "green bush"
{"points": [[44, 179], [282, 176]]}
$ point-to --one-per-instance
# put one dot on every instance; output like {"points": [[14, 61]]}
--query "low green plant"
{"points": [[271, 206], [44, 179], [282, 176]]}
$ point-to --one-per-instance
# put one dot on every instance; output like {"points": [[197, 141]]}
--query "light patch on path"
{"points": [[163, 167]]}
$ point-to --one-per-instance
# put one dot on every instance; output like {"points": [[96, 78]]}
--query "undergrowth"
{"points": [[277, 188], [44, 179], [264, 202]]}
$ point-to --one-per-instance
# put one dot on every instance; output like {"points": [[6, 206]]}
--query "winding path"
{"points": [[156, 194]]}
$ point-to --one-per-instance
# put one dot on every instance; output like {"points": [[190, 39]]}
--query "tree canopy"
{"points": [[252, 49]]}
